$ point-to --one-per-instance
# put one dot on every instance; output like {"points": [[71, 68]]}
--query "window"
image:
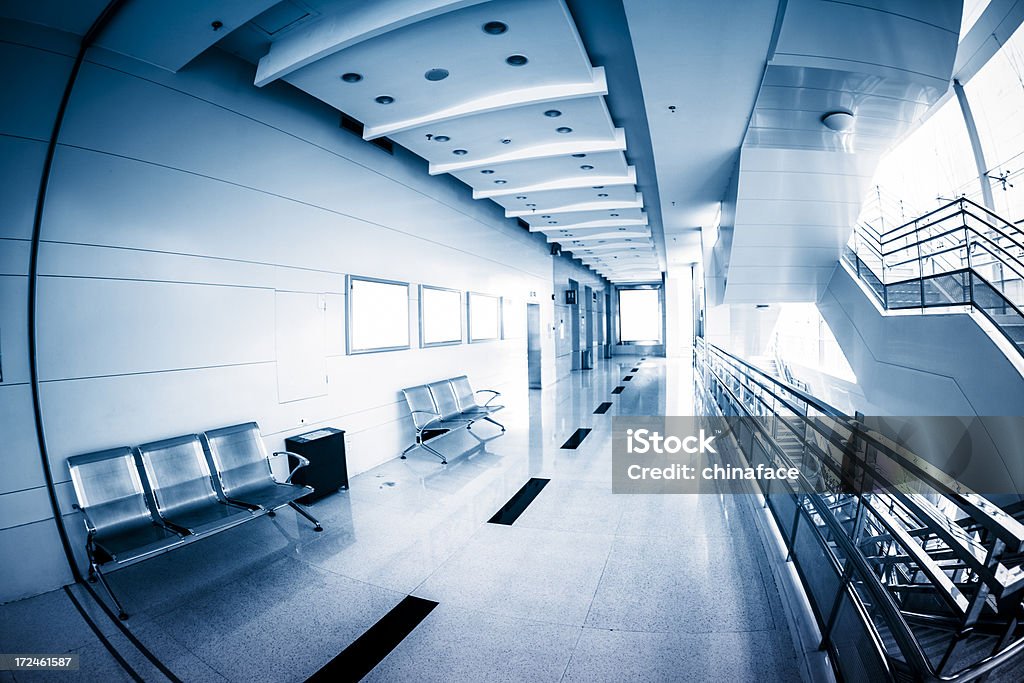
{"points": [[378, 315], [440, 316], [640, 315], [484, 317]]}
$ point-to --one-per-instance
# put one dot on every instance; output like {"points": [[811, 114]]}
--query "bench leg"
{"points": [[444, 461], [94, 572], [495, 422], [412, 446], [316, 524]]}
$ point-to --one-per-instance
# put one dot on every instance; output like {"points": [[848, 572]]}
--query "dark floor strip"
{"points": [[131, 636], [618, 390], [359, 658], [627, 378], [515, 506], [603, 408], [635, 370], [576, 439], [102, 638]]}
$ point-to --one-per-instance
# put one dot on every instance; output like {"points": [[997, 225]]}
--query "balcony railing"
{"points": [[910, 575]]}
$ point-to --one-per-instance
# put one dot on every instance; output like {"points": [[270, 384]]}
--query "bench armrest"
{"points": [[436, 418], [90, 527], [489, 391], [303, 461]]}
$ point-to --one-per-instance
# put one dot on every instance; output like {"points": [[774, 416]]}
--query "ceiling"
{"points": [[501, 94], [640, 135]]}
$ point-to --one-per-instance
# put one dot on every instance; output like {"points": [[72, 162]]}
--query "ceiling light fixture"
{"points": [[436, 74], [545, 216], [351, 77], [614, 215], [598, 187], [505, 141], [516, 60], [578, 156], [552, 113], [500, 182], [459, 152], [384, 99], [563, 130], [602, 194], [521, 196], [495, 28], [487, 171], [839, 121], [587, 167], [441, 138]]}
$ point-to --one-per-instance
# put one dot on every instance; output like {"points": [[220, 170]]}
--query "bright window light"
{"points": [[484, 317], [640, 315], [378, 315], [440, 316]]}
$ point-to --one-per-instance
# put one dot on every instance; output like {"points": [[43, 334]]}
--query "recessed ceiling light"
{"points": [[563, 129], [602, 194], [552, 113], [385, 99], [516, 60], [598, 187], [436, 74], [459, 152], [621, 228], [495, 28], [552, 222], [531, 205], [441, 138], [487, 171], [505, 141], [351, 77], [613, 215], [578, 156], [522, 196], [587, 167], [545, 216], [500, 182]]}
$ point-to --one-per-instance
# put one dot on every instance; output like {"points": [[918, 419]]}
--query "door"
{"points": [[588, 328], [533, 344]]}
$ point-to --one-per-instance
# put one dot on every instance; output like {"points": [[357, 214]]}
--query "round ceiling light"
{"points": [[459, 152], [602, 194], [436, 75], [839, 121], [351, 77], [552, 113], [441, 138], [506, 141], [487, 171], [521, 196], [516, 60], [545, 216], [578, 156], [384, 99], [598, 187], [495, 28], [563, 129], [614, 215], [587, 167], [500, 182], [531, 205]]}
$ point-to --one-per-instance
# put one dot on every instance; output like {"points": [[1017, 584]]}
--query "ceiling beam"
{"points": [[554, 149]]}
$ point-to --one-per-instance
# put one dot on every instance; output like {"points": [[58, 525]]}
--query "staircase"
{"points": [[960, 255]]}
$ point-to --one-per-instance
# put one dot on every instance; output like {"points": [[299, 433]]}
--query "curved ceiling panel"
{"points": [[500, 94]]}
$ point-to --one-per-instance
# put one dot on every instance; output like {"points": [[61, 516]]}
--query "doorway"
{"points": [[533, 345]]}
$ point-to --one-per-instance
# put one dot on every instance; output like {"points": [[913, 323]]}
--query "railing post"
{"points": [[920, 261]]}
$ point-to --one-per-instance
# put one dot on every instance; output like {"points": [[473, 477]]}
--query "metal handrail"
{"points": [[758, 385]]}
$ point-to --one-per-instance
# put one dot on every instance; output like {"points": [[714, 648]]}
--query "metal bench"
{"points": [[446, 406], [244, 473], [119, 521], [181, 484], [162, 495]]}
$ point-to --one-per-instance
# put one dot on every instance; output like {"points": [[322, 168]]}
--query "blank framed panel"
{"points": [[484, 317], [300, 335], [378, 315], [440, 316], [640, 315]]}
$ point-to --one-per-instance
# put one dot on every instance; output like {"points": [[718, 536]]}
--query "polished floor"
{"points": [[583, 586]]}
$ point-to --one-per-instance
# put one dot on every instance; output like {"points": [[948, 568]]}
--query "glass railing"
{"points": [[959, 255], [910, 575]]}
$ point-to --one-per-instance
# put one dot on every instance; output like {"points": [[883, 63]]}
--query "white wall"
{"points": [[180, 205]]}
